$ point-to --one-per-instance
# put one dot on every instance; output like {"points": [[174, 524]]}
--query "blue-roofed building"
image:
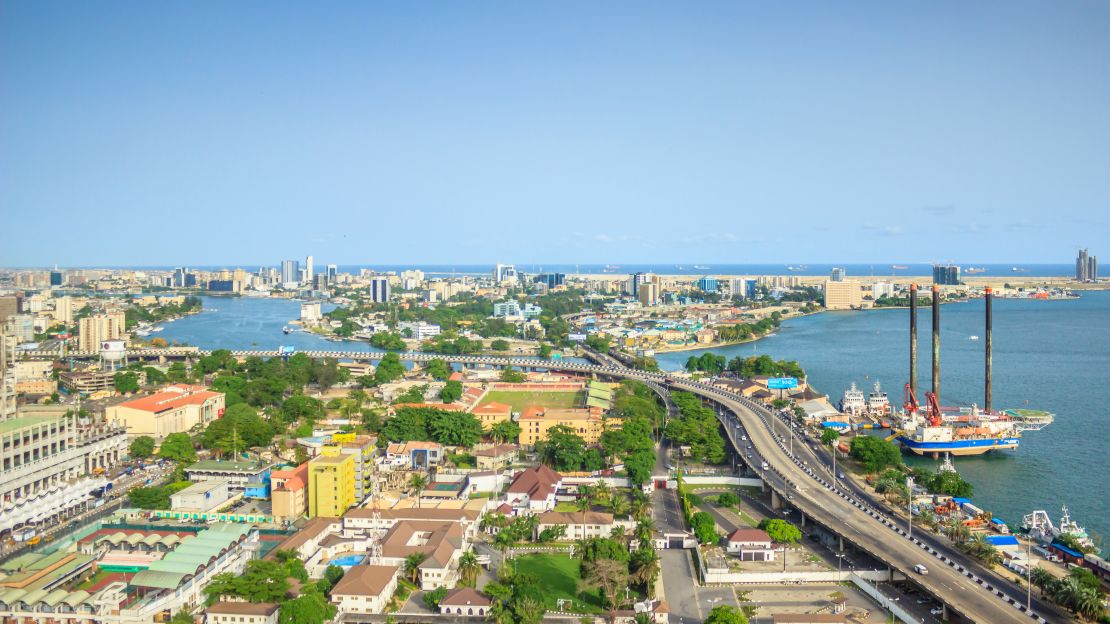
{"points": [[707, 284], [1001, 540]]}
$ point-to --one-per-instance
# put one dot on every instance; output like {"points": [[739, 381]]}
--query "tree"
{"points": [[389, 369], [875, 453], [308, 608], [508, 375], [829, 437], [299, 406], [412, 564], [438, 369], [126, 382], [333, 574], [781, 531], [949, 483], [469, 568], [417, 482], [432, 598], [454, 428], [504, 431], [608, 575], [705, 529], [499, 345], [153, 375], [563, 449], [728, 499], [645, 567], [179, 448], [1041, 579], [544, 350], [725, 614], [639, 466], [142, 447], [389, 341], [452, 391], [240, 428]]}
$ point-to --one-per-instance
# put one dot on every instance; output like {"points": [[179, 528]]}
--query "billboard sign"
{"points": [[782, 383], [286, 351]]}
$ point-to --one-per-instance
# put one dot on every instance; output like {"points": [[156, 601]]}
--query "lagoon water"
{"points": [[1051, 355]]}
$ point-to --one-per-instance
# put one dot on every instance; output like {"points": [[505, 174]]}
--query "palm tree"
{"points": [[469, 568], [1088, 604], [620, 533], [412, 565], [583, 505], [602, 491], [619, 505], [1041, 578], [645, 530], [417, 482], [1066, 592], [989, 555], [638, 506]]}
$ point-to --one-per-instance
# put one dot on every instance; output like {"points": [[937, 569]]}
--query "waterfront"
{"points": [[1052, 354]]}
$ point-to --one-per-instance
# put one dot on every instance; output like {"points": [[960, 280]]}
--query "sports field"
{"points": [[522, 399], [559, 577]]}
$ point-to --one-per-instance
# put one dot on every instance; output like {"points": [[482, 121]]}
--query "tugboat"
{"points": [[287, 329]]}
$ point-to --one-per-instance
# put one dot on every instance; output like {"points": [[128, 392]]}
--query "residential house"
{"points": [[533, 490], [750, 545], [365, 589], [496, 457], [581, 525], [442, 543], [465, 602], [414, 454], [242, 613]]}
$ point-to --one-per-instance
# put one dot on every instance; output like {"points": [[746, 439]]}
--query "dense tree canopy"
{"points": [[875, 453], [781, 530], [566, 451], [240, 428], [142, 447], [697, 428], [442, 426], [178, 447]]}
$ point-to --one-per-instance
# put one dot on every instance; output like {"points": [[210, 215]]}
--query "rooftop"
{"points": [[171, 397], [243, 608], [215, 465], [365, 580]]}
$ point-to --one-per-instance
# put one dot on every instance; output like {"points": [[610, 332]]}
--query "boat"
{"points": [[975, 270], [899, 267], [1017, 270], [972, 337], [797, 268], [852, 402], [701, 267], [962, 430], [1039, 526], [287, 329], [156, 329], [878, 403]]}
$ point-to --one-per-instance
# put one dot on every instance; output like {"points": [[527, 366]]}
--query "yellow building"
{"points": [[92, 330], [535, 422], [846, 295], [176, 408], [491, 413], [331, 483]]}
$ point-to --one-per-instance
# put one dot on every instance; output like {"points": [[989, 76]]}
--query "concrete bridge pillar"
{"points": [[803, 515], [841, 538], [776, 501], [943, 612]]}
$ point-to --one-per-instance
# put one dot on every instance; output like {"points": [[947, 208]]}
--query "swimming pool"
{"points": [[347, 561]]}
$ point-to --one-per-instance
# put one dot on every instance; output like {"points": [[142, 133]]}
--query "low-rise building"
{"points": [[365, 589], [173, 409], [533, 490], [201, 497], [464, 602], [242, 613], [750, 545], [239, 475], [491, 413], [580, 524], [496, 457], [535, 422], [289, 492], [441, 543], [416, 455]]}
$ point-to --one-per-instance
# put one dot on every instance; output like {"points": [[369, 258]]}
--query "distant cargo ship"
{"points": [[974, 270], [899, 267]]}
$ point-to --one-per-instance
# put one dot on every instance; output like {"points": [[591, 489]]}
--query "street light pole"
{"points": [[909, 507], [1028, 579]]}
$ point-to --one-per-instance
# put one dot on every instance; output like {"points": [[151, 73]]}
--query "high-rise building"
{"points": [[308, 269], [94, 329], [635, 280], [707, 284], [179, 276], [946, 275], [332, 272], [648, 293], [504, 273], [551, 279], [290, 271], [838, 274], [56, 278], [1086, 267], [844, 295], [379, 289], [331, 483]]}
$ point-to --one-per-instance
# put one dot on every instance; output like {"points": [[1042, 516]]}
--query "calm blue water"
{"points": [[1051, 355]]}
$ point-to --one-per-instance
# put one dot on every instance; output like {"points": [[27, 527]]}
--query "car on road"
{"points": [[937, 611], [921, 569]]}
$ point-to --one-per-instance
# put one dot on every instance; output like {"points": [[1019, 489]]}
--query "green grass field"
{"points": [[559, 577], [521, 400]]}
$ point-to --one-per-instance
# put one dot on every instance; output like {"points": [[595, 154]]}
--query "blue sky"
{"points": [[372, 132]]}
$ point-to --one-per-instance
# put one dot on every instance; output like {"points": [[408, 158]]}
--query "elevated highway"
{"points": [[975, 594]]}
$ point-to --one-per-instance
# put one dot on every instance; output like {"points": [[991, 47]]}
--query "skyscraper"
{"points": [[946, 274], [838, 274], [308, 269], [1086, 267], [504, 273], [379, 289], [290, 271], [56, 278], [332, 272]]}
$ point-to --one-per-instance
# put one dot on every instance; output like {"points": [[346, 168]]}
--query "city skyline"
{"points": [[606, 136]]}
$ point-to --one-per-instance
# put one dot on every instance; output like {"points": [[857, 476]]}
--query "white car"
{"points": [[937, 611]]}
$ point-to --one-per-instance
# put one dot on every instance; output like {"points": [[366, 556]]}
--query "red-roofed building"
{"points": [[534, 489], [492, 412], [750, 545], [173, 409], [289, 492]]}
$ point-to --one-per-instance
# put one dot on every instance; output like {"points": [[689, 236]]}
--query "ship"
{"points": [[610, 268], [930, 429], [797, 268], [878, 403], [701, 267], [853, 402], [899, 267], [1039, 526], [975, 270], [287, 329]]}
